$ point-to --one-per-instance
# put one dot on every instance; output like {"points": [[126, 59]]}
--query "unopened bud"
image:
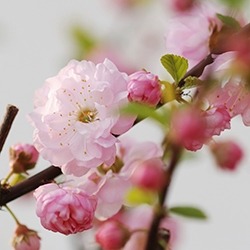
{"points": [[25, 239], [23, 157], [227, 154], [112, 235], [150, 175]]}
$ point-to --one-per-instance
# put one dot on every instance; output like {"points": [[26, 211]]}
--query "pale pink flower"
{"points": [[235, 97], [76, 116], [228, 154], [186, 38], [144, 87], [110, 184], [66, 210], [112, 235], [23, 157], [25, 239], [150, 175], [217, 120]]}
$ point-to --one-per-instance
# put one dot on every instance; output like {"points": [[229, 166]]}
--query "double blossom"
{"points": [[76, 116]]}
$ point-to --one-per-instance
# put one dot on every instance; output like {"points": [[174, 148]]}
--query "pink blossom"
{"points": [[217, 120], [235, 97], [25, 239], [227, 154], [76, 116], [23, 157], [66, 210], [110, 184], [144, 87], [112, 235], [150, 175], [186, 38]]}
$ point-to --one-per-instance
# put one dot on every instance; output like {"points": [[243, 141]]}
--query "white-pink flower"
{"points": [[76, 116], [66, 210]]}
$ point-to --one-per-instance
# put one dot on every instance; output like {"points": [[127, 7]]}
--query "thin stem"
{"points": [[12, 215], [11, 112], [5, 180]]}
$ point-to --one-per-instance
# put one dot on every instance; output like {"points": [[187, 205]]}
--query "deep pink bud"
{"points": [[25, 239], [144, 87], [188, 128], [23, 157], [182, 5], [112, 235], [227, 154], [150, 175]]}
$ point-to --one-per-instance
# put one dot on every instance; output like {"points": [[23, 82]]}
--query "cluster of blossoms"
{"points": [[78, 126]]}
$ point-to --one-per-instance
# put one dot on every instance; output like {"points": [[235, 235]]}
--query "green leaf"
{"points": [[188, 211], [175, 65], [168, 91], [229, 21], [143, 111], [136, 196], [190, 82], [234, 3]]}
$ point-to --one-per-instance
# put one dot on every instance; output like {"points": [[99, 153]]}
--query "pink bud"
{"points": [[150, 175], [25, 239], [182, 5], [23, 157], [112, 235], [66, 210], [144, 87], [227, 154], [188, 128]]}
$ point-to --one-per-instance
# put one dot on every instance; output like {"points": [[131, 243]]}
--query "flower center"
{"points": [[86, 115]]}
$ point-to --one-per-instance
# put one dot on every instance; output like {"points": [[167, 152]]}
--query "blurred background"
{"points": [[38, 38]]}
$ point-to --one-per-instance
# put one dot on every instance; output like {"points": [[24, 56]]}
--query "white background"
{"points": [[35, 43]]}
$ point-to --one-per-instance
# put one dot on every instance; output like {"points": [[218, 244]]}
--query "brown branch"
{"points": [[160, 212], [24, 187], [11, 112]]}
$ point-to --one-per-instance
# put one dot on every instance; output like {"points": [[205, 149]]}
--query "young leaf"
{"points": [[168, 92], [144, 111], [175, 65], [190, 82], [229, 21], [136, 196], [188, 211]]}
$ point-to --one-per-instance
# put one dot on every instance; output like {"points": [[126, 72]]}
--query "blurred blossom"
{"points": [[227, 154], [150, 175], [138, 220], [67, 210], [25, 239], [76, 116], [188, 34], [112, 235], [23, 157], [110, 184], [144, 87], [235, 97], [188, 128]]}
